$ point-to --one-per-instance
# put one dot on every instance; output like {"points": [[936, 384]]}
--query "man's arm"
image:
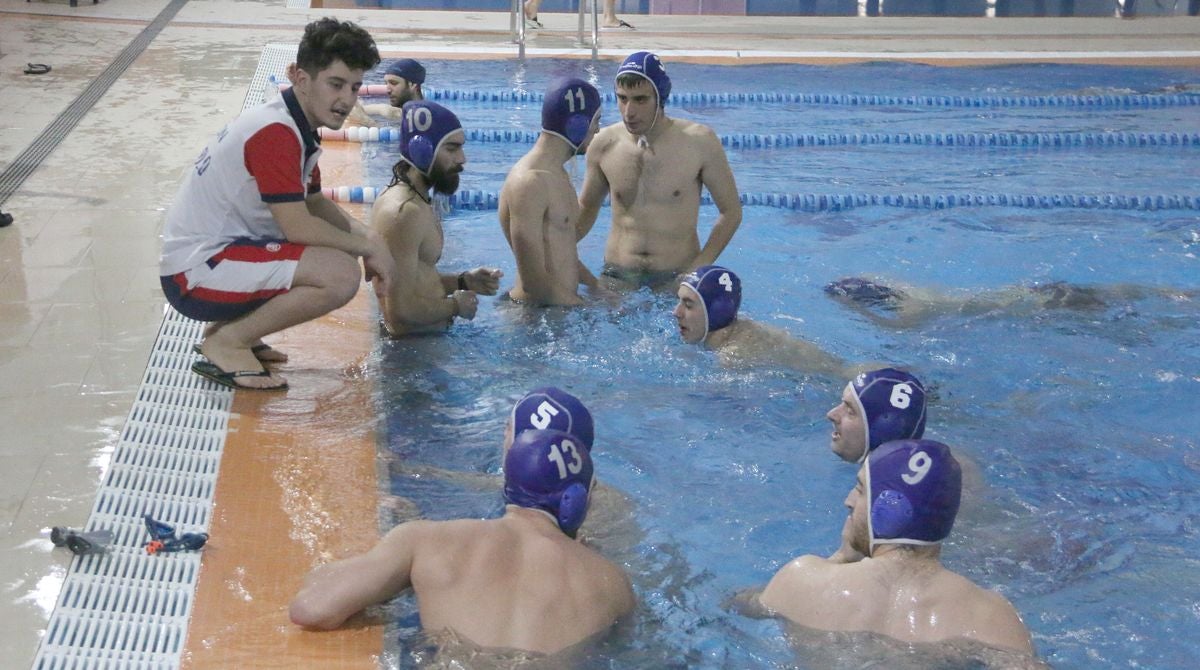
{"points": [[595, 187], [717, 177], [1004, 628], [527, 207], [337, 591], [789, 592], [327, 210], [358, 116], [418, 298], [385, 110], [301, 224]]}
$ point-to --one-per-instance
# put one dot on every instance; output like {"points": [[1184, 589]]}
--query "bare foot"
{"points": [[232, 360], [268, 354]]}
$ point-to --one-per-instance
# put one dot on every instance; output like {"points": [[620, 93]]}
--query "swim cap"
{"points": [[555, 409], [648, 66], [892, 404], [548, 471], [569, 108], [865, 292], [423, 127], [914, 487], [720, 292], [407, 69]]}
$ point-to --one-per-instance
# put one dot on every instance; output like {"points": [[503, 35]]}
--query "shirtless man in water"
{"points": [[654, 167], [424, 299], [538, 204], [518, 582], [901, 508]]}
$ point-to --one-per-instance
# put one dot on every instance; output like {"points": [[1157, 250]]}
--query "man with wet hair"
{"points": [[250, 244], [654, 167], [894, 305], [519, 582]]}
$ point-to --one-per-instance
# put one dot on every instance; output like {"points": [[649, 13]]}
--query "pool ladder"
{"points": [[516, 25]]}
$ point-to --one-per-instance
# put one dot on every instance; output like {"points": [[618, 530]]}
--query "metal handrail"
{"points": [[595, 26], [516, 25]]}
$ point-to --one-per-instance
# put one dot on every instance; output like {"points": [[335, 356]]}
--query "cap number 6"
{"points": [[901, 396]]}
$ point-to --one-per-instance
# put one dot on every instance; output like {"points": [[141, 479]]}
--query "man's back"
{"points": [[913, 600], [538, 212], [515, 582]]}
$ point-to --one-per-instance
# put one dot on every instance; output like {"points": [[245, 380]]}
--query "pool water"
{"points": [[1081, 425]]}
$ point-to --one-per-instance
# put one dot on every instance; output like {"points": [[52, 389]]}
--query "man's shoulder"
{"points": [[400, 205], [801, 572], [526, 177], [693, 129], [608, 137]]}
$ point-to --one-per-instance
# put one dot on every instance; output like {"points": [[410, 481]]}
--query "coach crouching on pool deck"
{"points": [[250, 244]]}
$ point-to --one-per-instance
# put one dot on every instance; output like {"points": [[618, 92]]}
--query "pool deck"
{"points": [[80, 304]]}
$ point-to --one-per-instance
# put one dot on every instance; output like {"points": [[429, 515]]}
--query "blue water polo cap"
{"points": [[407, 69], [720, 292], [569, 108], [552, 408], [550, 471], [914, 487], [647, 65], [424, 126], [892, 404]]}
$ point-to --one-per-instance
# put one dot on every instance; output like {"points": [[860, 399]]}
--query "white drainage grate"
{"points": [[125, 609]]}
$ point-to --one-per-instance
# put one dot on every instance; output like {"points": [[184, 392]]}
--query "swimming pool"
{"points": [[1083, 511]]}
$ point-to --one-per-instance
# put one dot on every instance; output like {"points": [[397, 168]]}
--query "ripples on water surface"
{"points": [[1081, 424]]}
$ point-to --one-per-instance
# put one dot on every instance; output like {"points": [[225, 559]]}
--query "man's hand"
{"points": [[358, 117], [485, 281], [467, 303], [378, 265]]}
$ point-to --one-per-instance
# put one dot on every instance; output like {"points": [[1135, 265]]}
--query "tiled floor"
{"points": [[79, 298]]}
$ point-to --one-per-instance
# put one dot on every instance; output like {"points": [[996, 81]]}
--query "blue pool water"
{"points": [[1081, 508]]}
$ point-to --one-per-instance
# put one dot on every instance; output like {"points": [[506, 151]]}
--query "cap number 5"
{"points": [[545, 412]]}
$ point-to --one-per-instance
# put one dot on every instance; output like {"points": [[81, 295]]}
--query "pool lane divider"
{"points": [[701, 99], [473, 199], [789, 140]]}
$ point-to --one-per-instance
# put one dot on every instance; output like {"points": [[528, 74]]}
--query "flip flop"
{"points": [[257, 350], [622, 24], [229, 379]]}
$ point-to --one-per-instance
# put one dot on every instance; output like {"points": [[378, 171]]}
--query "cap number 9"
{"points": [[919, 463]]}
